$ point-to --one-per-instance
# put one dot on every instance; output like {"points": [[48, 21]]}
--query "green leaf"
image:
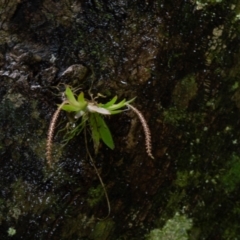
{"points": [[95, 130], [114, 108], [72, 100], [70, 108], [74, 105], [110, 103], [81, 98], [117, 106], [100, 131], [115, 112], [111, 106], [105, 133], [129, 101]]}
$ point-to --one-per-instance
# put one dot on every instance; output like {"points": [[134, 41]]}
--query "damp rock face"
{"points": [[76, 72], [180, 59]]}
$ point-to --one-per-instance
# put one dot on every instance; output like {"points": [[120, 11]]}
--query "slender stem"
{"points": [[99, 177]]}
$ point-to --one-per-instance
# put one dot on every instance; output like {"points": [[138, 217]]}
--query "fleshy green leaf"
{"points": [[105, 133], [70, 108], [81, 104], [100, 131], [129, 101], [72, 100], [114, 108], [95, 130], [115, 112], [74, 105], [81, 98], [117, 106], [110, 103]]}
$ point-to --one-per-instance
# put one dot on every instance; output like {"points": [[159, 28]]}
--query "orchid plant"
{"points": [[91, 113]]}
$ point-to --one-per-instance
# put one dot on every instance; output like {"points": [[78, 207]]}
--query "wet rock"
{"points": [[119, 41], [19, 78], [15, 74], [30, 53], [22, 82], [75, 72], [49, 74], [5, 73], [23, 58], [141, 74], [7, 9], [1, 60], [27, 58], [63, 12], [4, 37], [16, 98]]}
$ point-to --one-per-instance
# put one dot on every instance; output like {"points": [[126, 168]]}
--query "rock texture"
{"points": [[180, 59]]}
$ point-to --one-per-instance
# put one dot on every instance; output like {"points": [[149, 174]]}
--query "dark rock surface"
{"points": [[181, 60]]}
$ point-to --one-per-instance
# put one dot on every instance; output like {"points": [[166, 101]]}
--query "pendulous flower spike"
{"points": [[145, 129], [51, 134]]}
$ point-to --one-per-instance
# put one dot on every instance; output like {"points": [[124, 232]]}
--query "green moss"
{"points": [[95, 195], [174, 229], [177, 117], [201, 4], [102, 230], [175, 198], [11, 231], [231, 178], [79, 226], [184, 91], [27, 200], [174, 116], [184, 178]]}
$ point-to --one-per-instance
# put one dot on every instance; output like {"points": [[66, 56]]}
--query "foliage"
{"points": [[90, 112]]}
